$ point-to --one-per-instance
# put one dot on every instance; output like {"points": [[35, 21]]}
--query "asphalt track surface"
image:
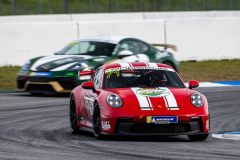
{"points": [[38, 128]]}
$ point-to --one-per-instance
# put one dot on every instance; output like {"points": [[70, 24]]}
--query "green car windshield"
{"points": [[160, 77], [88, 48]]}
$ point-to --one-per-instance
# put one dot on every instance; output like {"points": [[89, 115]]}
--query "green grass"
{"points": [[31, 7], [205, 71], [210, 71], [8, 77]]}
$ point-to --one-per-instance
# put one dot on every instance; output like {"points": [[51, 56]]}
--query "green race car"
{"points": [[60, 72]]}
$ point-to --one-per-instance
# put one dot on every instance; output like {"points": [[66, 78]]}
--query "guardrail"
{"points": [[198, 36]]}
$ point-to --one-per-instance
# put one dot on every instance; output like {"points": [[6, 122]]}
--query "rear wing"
{"points": [[166, 46]]}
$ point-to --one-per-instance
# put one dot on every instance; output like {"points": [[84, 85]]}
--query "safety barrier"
{"points": [[198, 35]]}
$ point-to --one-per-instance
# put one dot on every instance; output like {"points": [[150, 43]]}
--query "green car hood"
{"points": [[58, 62]]}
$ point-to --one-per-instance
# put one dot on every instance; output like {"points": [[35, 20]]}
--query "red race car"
{"points": [[138, 99]]}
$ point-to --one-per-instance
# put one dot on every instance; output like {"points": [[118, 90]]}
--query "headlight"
{"points": [[114, 101], [79, 66], [197, 100], [26, 66]]}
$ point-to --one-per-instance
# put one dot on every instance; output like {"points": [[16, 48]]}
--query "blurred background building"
{"points": [[32, 7]]}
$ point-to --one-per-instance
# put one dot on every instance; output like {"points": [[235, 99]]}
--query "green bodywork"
{"points": [[55, 75]]}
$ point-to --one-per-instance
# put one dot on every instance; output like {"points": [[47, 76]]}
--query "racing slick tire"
{"points": [[199, 137], [73, 116], [97, 127]]}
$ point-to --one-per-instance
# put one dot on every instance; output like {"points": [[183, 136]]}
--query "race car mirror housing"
{"points": [[125, 53], [193, 84], [89, 85]]}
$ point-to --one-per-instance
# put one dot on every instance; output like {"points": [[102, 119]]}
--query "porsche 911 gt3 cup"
{"points": [[138, 99], [59, 72]]}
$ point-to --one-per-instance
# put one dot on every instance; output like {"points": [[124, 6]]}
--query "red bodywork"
{"points": [[131, 110]]}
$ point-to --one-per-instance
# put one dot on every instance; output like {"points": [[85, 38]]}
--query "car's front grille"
{"points": [[68, 83], [40, 88], [38, 79], [160, 128]]}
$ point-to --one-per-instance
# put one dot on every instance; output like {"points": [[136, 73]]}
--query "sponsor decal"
{"points": [[162, 119], [46, 74], [134, 68], [159, 106], [89, 104], [153, 92], [106, 125], [145, 101], [207, 124], [69, 74]]}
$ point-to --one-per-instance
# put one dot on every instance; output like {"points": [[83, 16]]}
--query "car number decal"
{"points": [[111, 72], [89, 104]]}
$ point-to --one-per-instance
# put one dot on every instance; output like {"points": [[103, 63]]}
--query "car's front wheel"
{"points": [[97, 127], [73, 116], [199, 137]]}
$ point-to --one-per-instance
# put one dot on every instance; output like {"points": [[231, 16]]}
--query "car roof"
{"points": [[134, 64], [103, 38]]}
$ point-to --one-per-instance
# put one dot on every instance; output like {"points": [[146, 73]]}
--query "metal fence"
{"points": [[31, 7]]}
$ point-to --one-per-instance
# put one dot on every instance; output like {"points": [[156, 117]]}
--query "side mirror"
{"points": [[193, 84], [125, 53], [89, 85]]}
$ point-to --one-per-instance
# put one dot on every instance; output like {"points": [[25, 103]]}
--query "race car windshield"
{"points": [[160, 77], [88, 48]]}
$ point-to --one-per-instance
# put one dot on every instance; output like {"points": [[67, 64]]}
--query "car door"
{"points": [[91, 96], [138, 48]]}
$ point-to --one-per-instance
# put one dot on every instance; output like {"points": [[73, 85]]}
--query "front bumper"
{"points": [[123, 127], [45, 85]]}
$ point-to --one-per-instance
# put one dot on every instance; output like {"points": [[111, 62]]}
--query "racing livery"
{"points": [[59, 72], [138, 99]]}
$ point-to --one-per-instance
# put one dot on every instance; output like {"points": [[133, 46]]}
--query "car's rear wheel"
{"points": [[97, 127], [199, 137], [73, 116]]}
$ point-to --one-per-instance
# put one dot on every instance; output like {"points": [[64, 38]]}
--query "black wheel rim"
{"points": [[72, 114], [96, 122]]}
